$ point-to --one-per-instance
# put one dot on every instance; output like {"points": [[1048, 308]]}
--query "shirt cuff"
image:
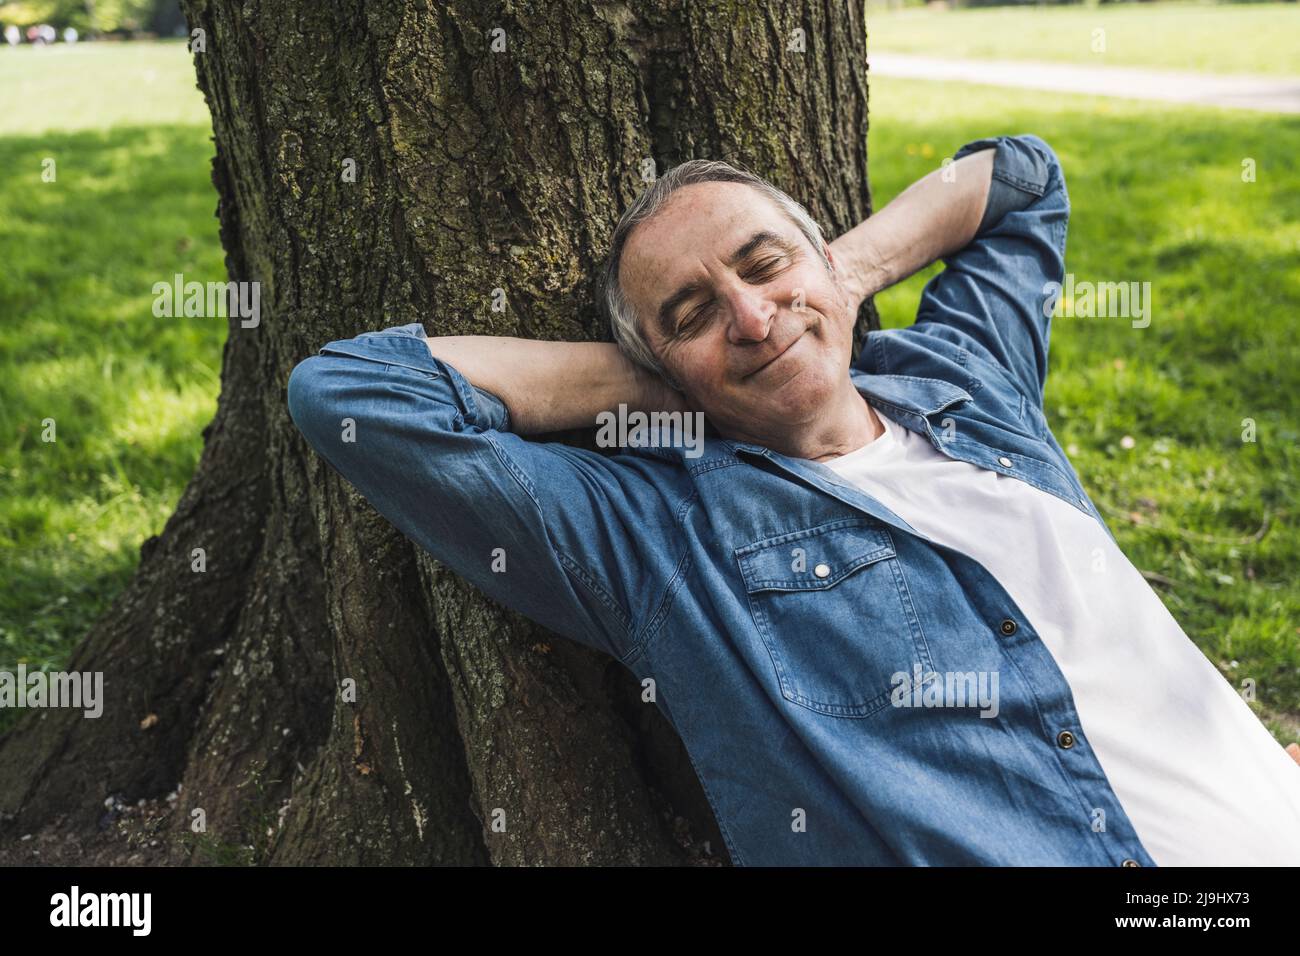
{"points": [[406, 345], [1020, 176]]}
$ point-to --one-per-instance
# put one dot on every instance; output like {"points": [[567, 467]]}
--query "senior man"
{"points": [[876, 603]]}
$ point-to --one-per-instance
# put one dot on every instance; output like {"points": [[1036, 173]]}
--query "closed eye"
{"points": [[684, 327], [762, 272], [765, 270]]}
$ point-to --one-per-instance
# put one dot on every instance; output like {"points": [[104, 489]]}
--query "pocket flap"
{"points": [[815, 558]]}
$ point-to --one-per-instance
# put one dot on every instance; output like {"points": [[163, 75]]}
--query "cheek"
{"points": [[832, 355], [822, 298], [702, 368], [687, 364]]}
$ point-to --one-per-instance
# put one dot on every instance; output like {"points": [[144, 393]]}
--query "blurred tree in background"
{"points": [[96, 17]]}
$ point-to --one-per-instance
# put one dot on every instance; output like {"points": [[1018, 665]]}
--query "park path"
{"points": [[1275, 94]]}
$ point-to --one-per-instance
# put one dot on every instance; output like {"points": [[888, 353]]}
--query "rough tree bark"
{"points": [[475, 169]]}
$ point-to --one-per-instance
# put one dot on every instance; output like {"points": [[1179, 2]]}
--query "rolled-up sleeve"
{"points": [[1020, 175], [999, 290]]}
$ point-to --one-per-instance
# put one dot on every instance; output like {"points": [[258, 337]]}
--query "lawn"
{"points": [[129, 394], [1157, 196], [1234, 38]]}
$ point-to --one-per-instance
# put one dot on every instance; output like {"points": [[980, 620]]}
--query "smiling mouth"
{"points": [[776, 357]]}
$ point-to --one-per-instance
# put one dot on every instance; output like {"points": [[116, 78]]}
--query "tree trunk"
{"points": [[494, 146]]}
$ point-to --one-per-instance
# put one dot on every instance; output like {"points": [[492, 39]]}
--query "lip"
{"points": [[777, 356]]}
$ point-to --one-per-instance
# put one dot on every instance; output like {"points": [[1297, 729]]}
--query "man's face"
{"points": [[740, 309]]}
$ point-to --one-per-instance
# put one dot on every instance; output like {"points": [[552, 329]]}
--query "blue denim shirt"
{"points": [[779, 679]]}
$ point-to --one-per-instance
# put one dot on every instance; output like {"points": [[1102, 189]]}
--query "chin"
{"points": [[805, 394]]}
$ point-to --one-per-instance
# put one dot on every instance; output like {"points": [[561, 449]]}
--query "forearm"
{"points": [[933, 217], [550, 386]]}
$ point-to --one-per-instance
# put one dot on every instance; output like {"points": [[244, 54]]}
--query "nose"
{"points": [[751, 315]]}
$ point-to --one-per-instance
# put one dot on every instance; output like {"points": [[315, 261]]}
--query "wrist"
{"points": [[859, 265]]}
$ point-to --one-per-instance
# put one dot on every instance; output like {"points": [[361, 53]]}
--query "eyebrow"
{"points": [[764, 237]]}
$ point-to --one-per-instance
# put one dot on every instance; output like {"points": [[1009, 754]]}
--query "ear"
{"points": [[835, 272], [830, 256]]}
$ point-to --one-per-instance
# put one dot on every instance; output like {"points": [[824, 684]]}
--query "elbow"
{"points": [[1046, 166], [312, 399]]}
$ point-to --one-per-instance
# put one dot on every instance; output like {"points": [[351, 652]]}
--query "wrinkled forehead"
{"points": [[697, 230]]}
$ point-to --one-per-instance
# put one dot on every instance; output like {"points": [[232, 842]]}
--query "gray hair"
{"points": [[623, 320]]}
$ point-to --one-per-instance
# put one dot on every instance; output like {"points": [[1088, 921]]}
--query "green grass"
{"points": [[131, 204], [1157, 195], [1235, 38]]}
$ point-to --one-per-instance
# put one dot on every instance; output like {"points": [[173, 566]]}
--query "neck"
{"points": [[846, 424]]}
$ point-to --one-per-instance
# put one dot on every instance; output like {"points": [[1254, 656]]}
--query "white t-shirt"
{"points": [[1201, 779]]}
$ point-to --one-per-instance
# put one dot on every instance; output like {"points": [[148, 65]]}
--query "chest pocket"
{"points": [[834, 611]]}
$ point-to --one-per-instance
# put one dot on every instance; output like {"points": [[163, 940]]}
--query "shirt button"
{"points": [[1004, 461], [822, 570], [1008, 627], [1065, 739], [1130, 863]]}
